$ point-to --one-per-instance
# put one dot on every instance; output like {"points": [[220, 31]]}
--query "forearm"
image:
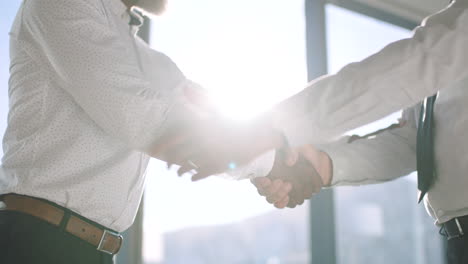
{"points": [[388, 155], [399, 76], [266, 140], [259, 167]]}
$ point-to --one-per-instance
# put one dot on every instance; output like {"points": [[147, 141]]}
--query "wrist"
{"points": [[274, 138], [321, 161], [326, 168], [278, 140]]}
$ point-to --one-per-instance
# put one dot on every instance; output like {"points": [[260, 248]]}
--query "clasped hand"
{"points": [[215, 145], [297, 175]]}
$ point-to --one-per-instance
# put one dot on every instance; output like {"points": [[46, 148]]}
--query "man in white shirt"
{"points": [[433, 61], [90, 103]]}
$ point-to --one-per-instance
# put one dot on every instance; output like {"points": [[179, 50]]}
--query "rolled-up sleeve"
{"points": [[399, 76], [93, 61]]}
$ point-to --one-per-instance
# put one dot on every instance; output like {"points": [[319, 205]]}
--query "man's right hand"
{"points": [[209, 143], [295, 177]]}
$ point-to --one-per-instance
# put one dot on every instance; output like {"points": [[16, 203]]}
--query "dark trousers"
{"points": [[457, 250], [25, 239]]}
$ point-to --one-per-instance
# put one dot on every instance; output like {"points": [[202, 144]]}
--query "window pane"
{"points": [[7, 14], [381, 223], [250, 54]]}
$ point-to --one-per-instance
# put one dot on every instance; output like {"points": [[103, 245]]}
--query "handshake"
{"points": [[213, 145], [297, 175]]}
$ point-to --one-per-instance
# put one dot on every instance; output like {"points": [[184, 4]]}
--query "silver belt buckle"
{"points": [[460, 229], [103, 240]]}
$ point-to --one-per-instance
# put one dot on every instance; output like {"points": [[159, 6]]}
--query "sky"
{"points": [[249, 55]]}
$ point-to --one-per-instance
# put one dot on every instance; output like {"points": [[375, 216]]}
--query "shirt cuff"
{"points": [[339, 175], [339, 161], [259, 167]]}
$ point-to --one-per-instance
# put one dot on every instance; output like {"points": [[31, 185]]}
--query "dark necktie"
{"points": [[425, 147], [135, 21]]}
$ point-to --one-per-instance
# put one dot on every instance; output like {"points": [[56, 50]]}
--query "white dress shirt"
{"points": [[88, 99], [399, 76]]}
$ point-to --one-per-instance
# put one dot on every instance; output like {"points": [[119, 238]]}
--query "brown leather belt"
{"points": [[456, 227], [104, 240]]}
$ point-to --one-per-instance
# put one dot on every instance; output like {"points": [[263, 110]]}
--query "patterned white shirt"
{"points": [[87, 101], [434, 59]]}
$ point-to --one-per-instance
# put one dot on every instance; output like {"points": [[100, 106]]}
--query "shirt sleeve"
{"points": [[259, 167], [399, 76], [385, 156], [95, 62]]}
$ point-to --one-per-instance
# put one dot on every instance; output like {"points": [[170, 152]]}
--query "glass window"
{"points": [[249, 54], [7, 14], [379, 223]]}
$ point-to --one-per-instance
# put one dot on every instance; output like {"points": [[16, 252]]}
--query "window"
{"points": [[379, 223], [250, 54]]}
